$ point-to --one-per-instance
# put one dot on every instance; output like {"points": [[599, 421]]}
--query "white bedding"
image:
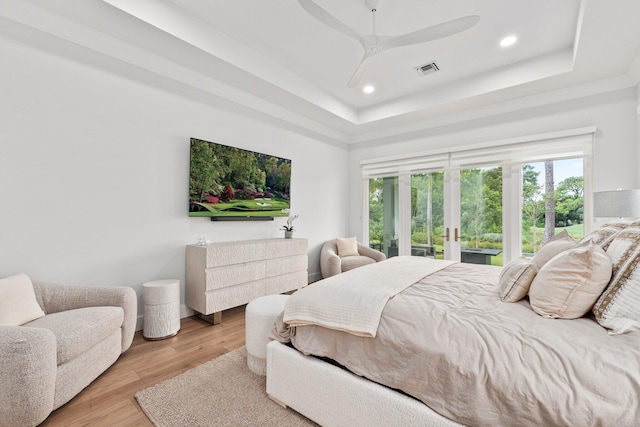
{"points": [[450, 342], [353, 301]]}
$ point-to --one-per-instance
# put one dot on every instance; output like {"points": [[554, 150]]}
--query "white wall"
{"points": [[94, 174], [638, 130], [616, 150], [94, 168]]}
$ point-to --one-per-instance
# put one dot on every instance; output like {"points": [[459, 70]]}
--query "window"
{"points": [[383, 215], [427, 214], [483, 204], [556, 186], [481, 215]]}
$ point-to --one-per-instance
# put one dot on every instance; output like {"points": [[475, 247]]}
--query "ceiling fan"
{"points": [[373, 44]]}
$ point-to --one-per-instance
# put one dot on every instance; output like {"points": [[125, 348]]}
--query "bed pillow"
{"points": [[569, 284], [347, 246], [555, 245], [515, 279], [618, 308], [18, 304], [605, 234]]}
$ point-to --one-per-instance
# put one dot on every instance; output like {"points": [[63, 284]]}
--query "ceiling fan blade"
{"points": [[435, 32], [358, 75], [329, 20]]}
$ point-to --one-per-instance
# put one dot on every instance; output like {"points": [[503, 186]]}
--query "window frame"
{"points": [[510, 154]]}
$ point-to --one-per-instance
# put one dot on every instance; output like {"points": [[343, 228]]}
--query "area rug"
{"points": [[221, 392]]}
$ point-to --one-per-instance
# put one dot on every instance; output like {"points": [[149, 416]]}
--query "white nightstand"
{"points": [[161, 309]]}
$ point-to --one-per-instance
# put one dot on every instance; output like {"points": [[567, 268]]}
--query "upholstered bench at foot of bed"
{"points": [[260, 315]]}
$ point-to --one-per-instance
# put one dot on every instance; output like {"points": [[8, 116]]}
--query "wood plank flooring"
{"points": [[109, 401]]}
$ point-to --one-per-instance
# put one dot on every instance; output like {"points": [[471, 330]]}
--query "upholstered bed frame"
{"points": [[332, 396]]}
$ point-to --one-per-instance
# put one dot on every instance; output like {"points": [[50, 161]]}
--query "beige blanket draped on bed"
{"points": [[357, 297]]}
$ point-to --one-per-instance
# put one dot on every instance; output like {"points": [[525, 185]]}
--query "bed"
{"points": [[448, 351]]}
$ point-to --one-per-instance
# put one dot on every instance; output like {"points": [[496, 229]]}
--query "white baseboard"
{"points": [[186, 311]]}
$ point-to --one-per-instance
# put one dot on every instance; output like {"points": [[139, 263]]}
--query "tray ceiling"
{"points": [[274, 57]]}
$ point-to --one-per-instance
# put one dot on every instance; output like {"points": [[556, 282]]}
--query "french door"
{"points": [[483, 203], [480, 217], [473, 215], [487, 214], [427, 214], [383, 216]]}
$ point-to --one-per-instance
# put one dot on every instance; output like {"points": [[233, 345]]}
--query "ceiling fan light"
{"points": [[373, 4], [508, 41], [368, 89]]}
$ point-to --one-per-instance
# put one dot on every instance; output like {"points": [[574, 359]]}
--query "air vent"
{"points": [[428, 68]]}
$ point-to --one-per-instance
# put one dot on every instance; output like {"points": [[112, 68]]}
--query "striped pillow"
{"points": [[605, 234], [515, 279], [618, 308]]}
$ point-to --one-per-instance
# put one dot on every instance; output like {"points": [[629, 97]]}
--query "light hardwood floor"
{"points": [[109, 401]]}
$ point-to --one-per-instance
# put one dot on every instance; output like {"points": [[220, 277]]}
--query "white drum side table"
{"points": [[161, 309], [260, 315]]}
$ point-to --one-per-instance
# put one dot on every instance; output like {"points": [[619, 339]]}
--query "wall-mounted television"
{"points": [[235, 184]]}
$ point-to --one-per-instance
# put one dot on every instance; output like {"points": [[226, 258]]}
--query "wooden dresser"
{"points": [[228, 274]]}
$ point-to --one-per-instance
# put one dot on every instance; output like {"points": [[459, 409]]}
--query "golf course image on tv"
{"points": [[228, 182]]}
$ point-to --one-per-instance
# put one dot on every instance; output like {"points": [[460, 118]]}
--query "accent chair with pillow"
{"points": [[55, 340], [344, 254]]}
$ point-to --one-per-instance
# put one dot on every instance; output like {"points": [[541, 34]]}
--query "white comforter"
{"points": [[450, 342], [353, 301]]}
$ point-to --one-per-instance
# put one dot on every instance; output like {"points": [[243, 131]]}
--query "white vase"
{"points": [[288, 234]]}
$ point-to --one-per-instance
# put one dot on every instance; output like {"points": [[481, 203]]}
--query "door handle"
{"points": [[446, 234], [455, 235]]}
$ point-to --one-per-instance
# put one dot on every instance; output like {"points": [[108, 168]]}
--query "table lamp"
{"points": [[619, 203]]}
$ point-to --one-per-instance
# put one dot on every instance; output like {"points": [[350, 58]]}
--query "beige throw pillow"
{"points": [[347, 246], [569, 284], [18, 304], [618, 308], [515, 279], [555, 245]]}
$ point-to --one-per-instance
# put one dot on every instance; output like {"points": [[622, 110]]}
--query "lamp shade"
{"points": [[620, 203]]}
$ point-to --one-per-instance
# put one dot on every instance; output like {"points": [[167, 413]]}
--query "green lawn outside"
{"points": [[576, 231]]}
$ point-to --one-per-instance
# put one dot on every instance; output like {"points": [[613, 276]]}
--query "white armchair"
{"points": [[47, 361], [331, 263]]}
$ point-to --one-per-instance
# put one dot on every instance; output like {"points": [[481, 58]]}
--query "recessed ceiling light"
{"points": [[508, 41], [368, 89]]}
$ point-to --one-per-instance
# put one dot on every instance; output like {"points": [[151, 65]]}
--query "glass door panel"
{"points": [[480, 232], [410, 214], [383, 215], [552, 201], [427, 215]]}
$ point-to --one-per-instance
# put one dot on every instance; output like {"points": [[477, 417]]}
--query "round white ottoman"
{"points": [[259, 317], [161, 309]]}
